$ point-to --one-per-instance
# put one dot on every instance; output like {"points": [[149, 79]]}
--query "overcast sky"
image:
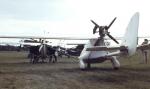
{"points": [[70, 17]]}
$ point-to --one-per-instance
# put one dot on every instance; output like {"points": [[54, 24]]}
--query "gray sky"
{"points": [[27, 9], [70, 17]]}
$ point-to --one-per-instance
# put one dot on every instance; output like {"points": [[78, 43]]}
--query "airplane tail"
{"points": [[130, 38]]}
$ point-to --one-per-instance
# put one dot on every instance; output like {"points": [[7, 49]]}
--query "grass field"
{"points": [[17, 73]]}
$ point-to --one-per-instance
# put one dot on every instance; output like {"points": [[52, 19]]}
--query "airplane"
{"points": [[96, 51], [74, 51]]}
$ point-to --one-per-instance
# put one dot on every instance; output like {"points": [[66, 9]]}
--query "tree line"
{"points": [[12, 48]]}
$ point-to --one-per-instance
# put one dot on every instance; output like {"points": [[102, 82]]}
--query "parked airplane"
{"points": [[75, 51], [96, 51]]}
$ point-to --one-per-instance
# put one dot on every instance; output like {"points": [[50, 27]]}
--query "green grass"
{"points": [[12, 55], [17, 73]]}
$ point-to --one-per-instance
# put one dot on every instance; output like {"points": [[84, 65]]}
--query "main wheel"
{"points": [[88, 65]]}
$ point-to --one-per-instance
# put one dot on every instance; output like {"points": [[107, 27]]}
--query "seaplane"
{"points": [[96, 50]]}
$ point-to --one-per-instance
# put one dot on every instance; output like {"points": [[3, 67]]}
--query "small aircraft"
{"points": [[75, 51], [96, 50]]}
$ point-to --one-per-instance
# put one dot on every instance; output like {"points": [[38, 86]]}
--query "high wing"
{"points": [[65, 38], [42, 37], [61, 38]]}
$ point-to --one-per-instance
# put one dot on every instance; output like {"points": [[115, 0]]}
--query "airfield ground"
{"points": [[17, 73]]}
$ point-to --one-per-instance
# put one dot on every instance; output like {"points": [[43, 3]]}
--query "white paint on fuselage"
{"points": [[129, 40], [92, 54]]}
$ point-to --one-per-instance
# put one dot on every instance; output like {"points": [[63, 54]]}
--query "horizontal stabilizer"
{"points": [[117, 53], [104, 48]]}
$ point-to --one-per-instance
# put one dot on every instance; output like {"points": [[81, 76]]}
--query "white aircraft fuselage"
{"points": [[88, 57]]}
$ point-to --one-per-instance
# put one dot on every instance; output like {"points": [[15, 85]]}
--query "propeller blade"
{"points": [[95, 23], [111, 23], [94, 30], [96, 26], [112, 38]]}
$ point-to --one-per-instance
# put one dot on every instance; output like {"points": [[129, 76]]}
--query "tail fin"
{"points": [[131, 36]]}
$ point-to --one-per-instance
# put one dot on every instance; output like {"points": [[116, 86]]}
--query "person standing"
{"points": [[145, 51]]}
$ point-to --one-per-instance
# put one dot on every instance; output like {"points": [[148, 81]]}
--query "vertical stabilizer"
{"points": [[131, 36]]}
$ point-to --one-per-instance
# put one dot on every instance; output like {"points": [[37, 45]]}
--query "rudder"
{"points": [[131, 36]]}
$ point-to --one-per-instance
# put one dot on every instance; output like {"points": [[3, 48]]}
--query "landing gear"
{"points": [[88, 65], [82, 65], [115, 63], [116, 68]]}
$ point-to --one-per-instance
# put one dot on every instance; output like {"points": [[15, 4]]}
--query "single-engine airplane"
{"points": [[95, 51]]}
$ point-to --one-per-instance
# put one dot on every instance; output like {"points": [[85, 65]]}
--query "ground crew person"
{"points": [[145, 51]]}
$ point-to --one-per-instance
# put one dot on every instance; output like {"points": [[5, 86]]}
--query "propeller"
{"points": [[112, 38], [96, 26], [103, 30], [107, 27]]}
